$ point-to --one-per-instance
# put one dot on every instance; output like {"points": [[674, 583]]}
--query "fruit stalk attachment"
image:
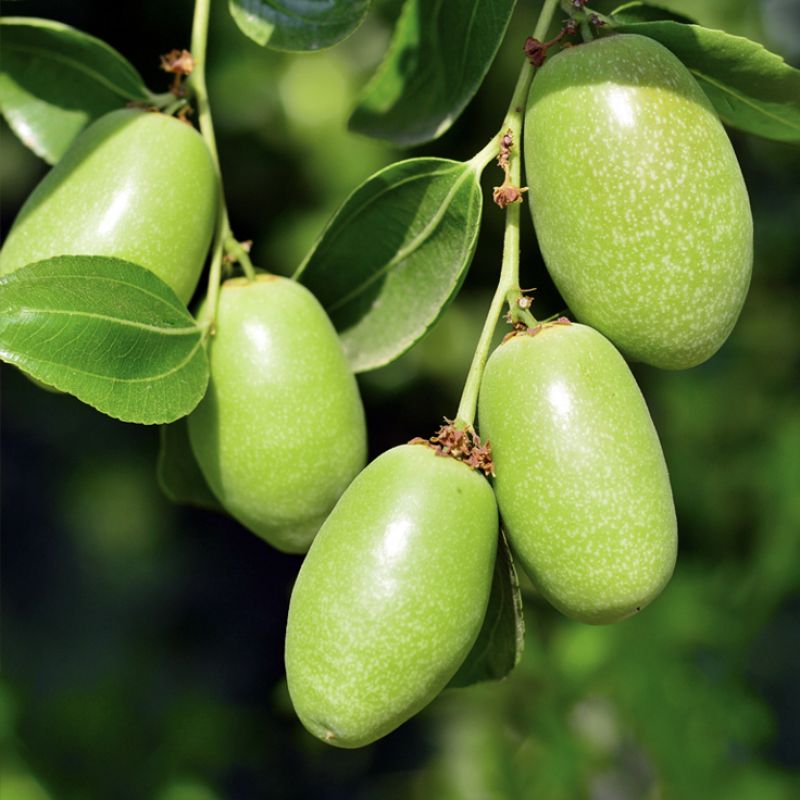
{"points": [[462, 445]]}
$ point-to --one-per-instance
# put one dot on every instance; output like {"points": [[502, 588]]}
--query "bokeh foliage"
{"points": [[143, 642]]}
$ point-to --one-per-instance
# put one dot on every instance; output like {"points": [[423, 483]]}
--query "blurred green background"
{"points": [[142, 642]]}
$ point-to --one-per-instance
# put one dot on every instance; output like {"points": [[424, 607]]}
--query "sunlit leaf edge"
{"points": [[242, 18], [620, 12]]}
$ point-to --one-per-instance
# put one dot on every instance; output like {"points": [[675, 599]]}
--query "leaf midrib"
{"points": [[10, 357], [339, 223], [744, 100], [144, 326], [16, 279]]}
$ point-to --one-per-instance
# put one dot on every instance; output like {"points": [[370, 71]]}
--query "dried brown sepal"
{"points": [[462, 444], [536, 51], [571, 28], [179, 63], [505, 195], [527, 330], [506, 144]]}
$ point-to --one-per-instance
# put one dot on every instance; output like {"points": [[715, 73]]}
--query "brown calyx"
{"points": [[520, 329], [507, 194], [180, 64], [462, 444], [536, 51]]}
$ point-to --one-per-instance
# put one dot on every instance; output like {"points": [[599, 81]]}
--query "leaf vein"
{"points": [[407, 250]]}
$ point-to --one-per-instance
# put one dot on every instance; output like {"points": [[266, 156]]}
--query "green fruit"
{"points": [[580, 480], [281, 432], [391, 596], [639, 205], [135, 185]]}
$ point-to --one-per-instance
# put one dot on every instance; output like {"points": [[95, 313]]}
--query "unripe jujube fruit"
{"points": [[391, 596], [135, 185], [281, 431], [581, 483], [638, 201]]}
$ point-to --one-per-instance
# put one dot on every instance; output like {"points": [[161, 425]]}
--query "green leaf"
{"points": [[498, 648], [109, 332], [178, 475], [394, 255], [751, 89], [646, 12], [54, 80], [438, 58], [298, 25]]}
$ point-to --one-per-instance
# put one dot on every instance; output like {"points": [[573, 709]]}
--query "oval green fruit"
{"points": [[135, 185], [281, 431], [391, 596], [638, 201], [581, 482]]}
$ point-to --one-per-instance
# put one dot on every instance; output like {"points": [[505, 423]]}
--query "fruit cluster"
{"points": [[643, 220], [644, 223]]}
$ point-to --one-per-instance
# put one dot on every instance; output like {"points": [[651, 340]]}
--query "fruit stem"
{"points": [[222, 234], [508, 284], [160, 100], [484, 157]]}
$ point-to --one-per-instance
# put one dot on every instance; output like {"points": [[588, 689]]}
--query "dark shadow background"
{"points": [[142, 642]]}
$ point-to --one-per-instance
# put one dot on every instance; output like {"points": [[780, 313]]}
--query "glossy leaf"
{"points": [[751, 89], [498, 647], [178, 475], [438, 58], [646, 12], [106, 330], [298, 25], [394, 255], [54, 80]]}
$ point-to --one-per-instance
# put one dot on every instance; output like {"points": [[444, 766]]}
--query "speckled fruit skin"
{"points": [[391, 596], [281, 431], [638, 201], [580, 479], [135, 185]]}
